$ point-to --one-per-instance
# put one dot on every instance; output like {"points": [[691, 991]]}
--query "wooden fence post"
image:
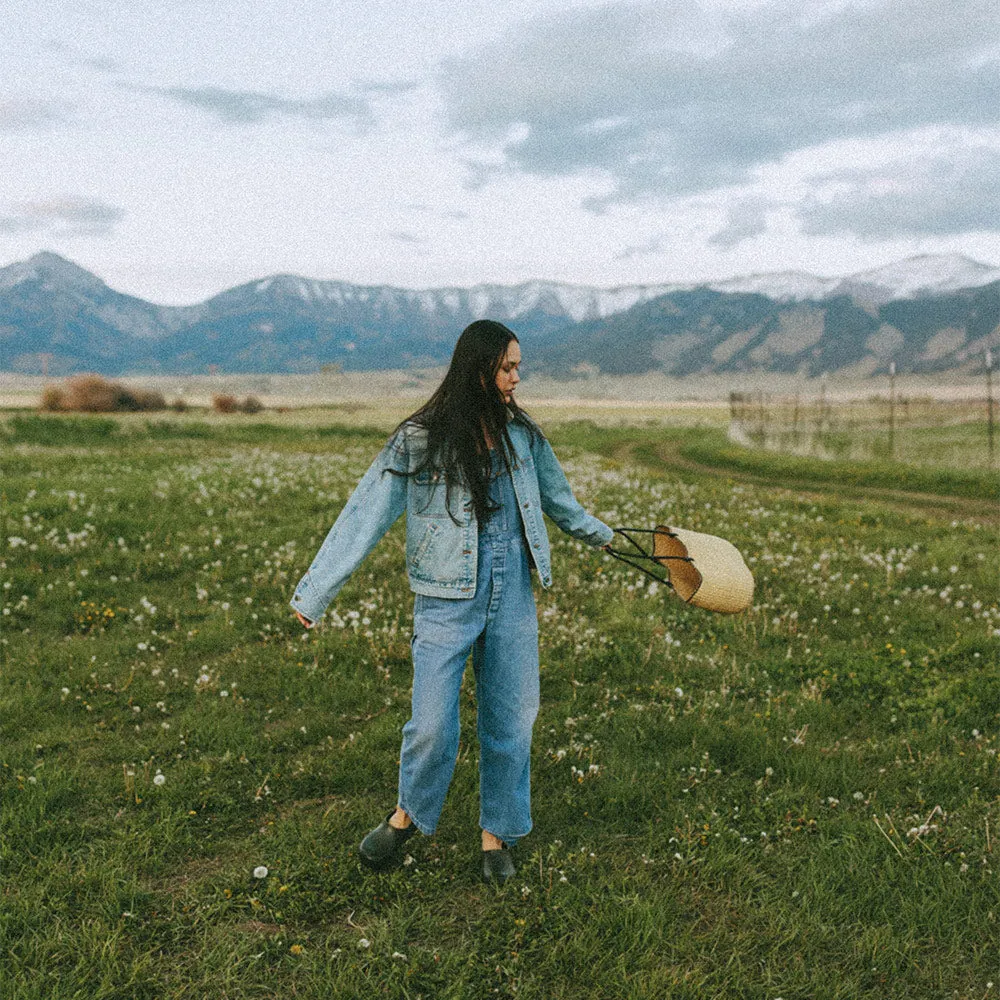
{"points": [[989, 404], [892, 409]]}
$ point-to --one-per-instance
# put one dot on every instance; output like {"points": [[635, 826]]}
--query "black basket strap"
{"points": [[629, 561], [635, 556]]}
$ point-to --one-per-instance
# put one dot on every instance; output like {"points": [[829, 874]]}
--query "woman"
{"points": [[474, 475]]}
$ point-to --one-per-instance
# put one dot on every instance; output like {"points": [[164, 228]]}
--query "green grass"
{"points": [[712, 449], [752, 826], [707, 450], [924, 432]]}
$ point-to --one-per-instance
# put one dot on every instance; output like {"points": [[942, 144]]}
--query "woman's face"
{"points": [[507, 374]]}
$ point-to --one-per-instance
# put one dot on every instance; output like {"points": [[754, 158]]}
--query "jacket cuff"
{"points": [[302, 612], [306, 608]]}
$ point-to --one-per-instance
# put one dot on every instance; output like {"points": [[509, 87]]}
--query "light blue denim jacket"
{"points": [[440, 553]]}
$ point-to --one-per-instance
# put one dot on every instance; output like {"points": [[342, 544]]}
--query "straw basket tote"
{"points": [[703, 570]]}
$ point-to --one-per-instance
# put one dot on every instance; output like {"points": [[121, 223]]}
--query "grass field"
{"points": [[941, 433], [801, 801]]}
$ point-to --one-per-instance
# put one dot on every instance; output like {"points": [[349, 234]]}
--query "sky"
{"points": [[177, 148]]}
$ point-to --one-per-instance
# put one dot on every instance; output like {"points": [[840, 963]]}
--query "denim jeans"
{"points": [[499, 625]]}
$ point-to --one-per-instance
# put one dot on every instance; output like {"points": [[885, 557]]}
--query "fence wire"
{"points": [[913, 430]]}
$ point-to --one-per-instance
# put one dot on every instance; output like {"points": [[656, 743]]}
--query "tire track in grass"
{"points": [[667, 454]]}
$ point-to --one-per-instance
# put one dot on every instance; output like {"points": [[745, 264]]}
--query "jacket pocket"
{"points": [[429, 496], [418, 557]]}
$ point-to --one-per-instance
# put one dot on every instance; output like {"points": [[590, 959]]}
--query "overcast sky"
{"points": [[178, 147]]}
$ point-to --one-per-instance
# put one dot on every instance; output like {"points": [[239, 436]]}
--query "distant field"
{"points": [[936, 423], [323, 389], [801, 801], [921, 431]]}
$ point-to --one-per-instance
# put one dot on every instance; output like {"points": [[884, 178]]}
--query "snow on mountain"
{"points": [[925, 275], [577, 302], [780, 285], [51, 308], [928, 274], [52, 271]]}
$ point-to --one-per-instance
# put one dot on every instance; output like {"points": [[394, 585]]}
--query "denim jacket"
{"points": [[441, 554]]}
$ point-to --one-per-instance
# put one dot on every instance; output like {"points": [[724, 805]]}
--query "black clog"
{"points": [[498, 866], [382, 849]]}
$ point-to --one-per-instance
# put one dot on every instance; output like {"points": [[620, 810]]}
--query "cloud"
{"points": [[384, 87], [438, 212], [408, 239], [245, 107], [663, 100], [70, 216], [646, 249], [70, 55], [28, 114], [924, 195], [747, 219]]}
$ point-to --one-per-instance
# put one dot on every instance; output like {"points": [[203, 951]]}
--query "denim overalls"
{"points": [[500, 626]]}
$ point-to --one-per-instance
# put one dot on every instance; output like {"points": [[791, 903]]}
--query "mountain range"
{"points": [[926, 314]]}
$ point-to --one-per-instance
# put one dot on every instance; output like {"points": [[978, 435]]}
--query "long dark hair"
{"points": [[467, 415]]}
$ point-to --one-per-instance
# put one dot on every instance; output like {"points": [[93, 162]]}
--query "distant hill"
{"points": [[705, 331], [925, 313]]}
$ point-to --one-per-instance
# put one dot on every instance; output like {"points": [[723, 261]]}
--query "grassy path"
{"points": [[701, 453]]}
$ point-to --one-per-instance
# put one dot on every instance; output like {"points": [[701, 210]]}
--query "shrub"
{"points": [[179, 405], [226, 403], [96, 394], [148, 399], [53, 398], [223, 403], [92, 394]]}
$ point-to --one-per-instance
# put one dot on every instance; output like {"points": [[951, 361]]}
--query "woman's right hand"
{"points": [[305, 621]]}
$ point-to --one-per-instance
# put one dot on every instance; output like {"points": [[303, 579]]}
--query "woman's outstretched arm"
{"points": [[376, 503], [558, 500]]}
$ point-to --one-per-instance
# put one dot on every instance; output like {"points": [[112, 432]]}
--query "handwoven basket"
{"points": [[704, 570]]}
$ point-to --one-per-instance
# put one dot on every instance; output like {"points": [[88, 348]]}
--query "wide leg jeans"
{"points": [[499, 626]]}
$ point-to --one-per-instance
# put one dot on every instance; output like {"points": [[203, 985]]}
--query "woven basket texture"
{"points": [[717, 578]]}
